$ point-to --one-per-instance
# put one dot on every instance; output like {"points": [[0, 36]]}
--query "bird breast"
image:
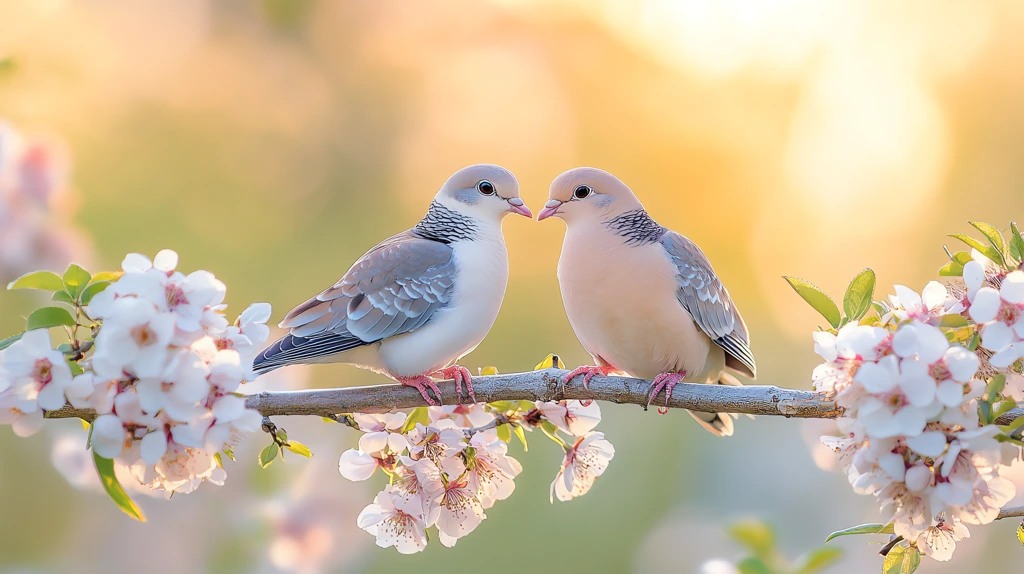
{"points": [[621, 302]]}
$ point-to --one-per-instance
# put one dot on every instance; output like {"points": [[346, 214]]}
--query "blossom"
{"points": [[459, 510], [435, 444], [571, 416], [134, 340], [35, 372], [395, 521], [586, 460], [491, 470], [939, 541], [376, 450], [925, 307]]}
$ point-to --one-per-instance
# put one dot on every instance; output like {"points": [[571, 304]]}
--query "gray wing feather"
{"points": [[702, 294], [394, 288]]}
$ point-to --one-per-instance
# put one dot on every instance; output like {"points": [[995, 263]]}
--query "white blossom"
{"points": [[586, 460]]}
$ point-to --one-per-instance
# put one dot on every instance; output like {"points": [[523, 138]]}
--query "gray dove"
{"points": [[415, 304], [643, 300]]}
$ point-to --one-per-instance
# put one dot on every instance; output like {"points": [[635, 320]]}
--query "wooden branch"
{"points": [[545, 386]]}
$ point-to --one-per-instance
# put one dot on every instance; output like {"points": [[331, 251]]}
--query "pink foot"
{"points": [[421, 383], [460, 375], [588, 372], [666, 382]]}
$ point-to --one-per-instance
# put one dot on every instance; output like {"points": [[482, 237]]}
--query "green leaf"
{"points": [[817, 298], [996, 239], [857, 300], [75, 279], [1017, 242], [42, 280], [109, 276], [893, 562], [230, 453], [299, 449], [953, 321], [552, 361], [755, 535], [76, 369], [268, 454], [63, 297], [521, 435], [753, 565], [282, 435], [218, 459], [986, 250], [862, 529], [504, 433], [92, 290], [10, 341], [105, 469], [955, 267], [47, 317], [911, 560], [418, 415], [819, 559]]}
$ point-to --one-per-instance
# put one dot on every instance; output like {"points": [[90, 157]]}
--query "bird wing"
{"points": [[393, 289], [702, 294]]}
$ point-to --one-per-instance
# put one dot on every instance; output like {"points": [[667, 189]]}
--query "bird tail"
{"points": [[289, 350], [718, 424]]}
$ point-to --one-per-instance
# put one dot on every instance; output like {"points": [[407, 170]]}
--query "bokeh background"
{"points": [[273, 142]]}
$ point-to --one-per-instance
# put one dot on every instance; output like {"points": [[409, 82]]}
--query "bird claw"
{"points": [[588, 372], [421, 383], [666, 382], [460, 375]]}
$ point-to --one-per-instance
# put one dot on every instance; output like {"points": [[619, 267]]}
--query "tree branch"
{"points": [[545, 386]]}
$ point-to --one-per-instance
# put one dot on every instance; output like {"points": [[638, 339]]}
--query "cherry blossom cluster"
{"points": [[35, 208], [162, 377], [911, 385], [995, 302], [448, 465]]}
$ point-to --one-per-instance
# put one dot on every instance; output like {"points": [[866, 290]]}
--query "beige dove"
{"points": [[643, 300], [419, 301]]}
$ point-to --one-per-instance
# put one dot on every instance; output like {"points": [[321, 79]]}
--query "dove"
{"points": [[419, 301], [643, 300]]}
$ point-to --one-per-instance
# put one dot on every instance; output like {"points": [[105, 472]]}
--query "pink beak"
{"points": [[516, 205], [550, 208]]}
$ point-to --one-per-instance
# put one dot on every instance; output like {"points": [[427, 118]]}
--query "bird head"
{"points": [[588, 194], [483, 191]]}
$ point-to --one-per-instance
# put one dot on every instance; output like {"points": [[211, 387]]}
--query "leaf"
{"points": [[268, 454], [76, 369], [488, 371], [1020, 533], [996, 239], [753, 565], [47, 317], [63, 297], [893, 562], [817, 298], [92, 290], [819, 559], [953, 321], [1017, 242], [218, 459], [857, 300], [755, 535], [911, 560], [330, 420], [552, 361], [504, 433], [986, 250], [862, 529], [42, 280], [75, 279], [110, 276], [282, 435], [418, 415], [955, 267], [230, 453], [85, 424], [521, 435], [105, 469], [299, 449], [10, 341]]}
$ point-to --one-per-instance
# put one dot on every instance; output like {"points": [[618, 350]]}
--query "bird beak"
{"points": [[550, 208], [516, 205]]}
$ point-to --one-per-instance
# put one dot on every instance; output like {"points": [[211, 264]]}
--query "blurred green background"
{"points": [[273, 142]]}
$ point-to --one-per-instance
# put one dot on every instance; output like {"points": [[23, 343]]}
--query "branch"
{"points": [[546, 386]]}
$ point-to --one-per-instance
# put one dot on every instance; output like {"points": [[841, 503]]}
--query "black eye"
{"points": [[582, 192], [485, 187]]}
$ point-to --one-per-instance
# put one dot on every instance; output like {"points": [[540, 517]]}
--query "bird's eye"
{"points": [[485, 187], [582, 192]]}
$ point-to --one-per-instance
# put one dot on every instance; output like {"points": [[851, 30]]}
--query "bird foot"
{"points": [[588, 372], [421, 383], [666, 382], [460, 375]]}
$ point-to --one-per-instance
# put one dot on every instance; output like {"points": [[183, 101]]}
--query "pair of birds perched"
{"points": [[643, 300]]}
